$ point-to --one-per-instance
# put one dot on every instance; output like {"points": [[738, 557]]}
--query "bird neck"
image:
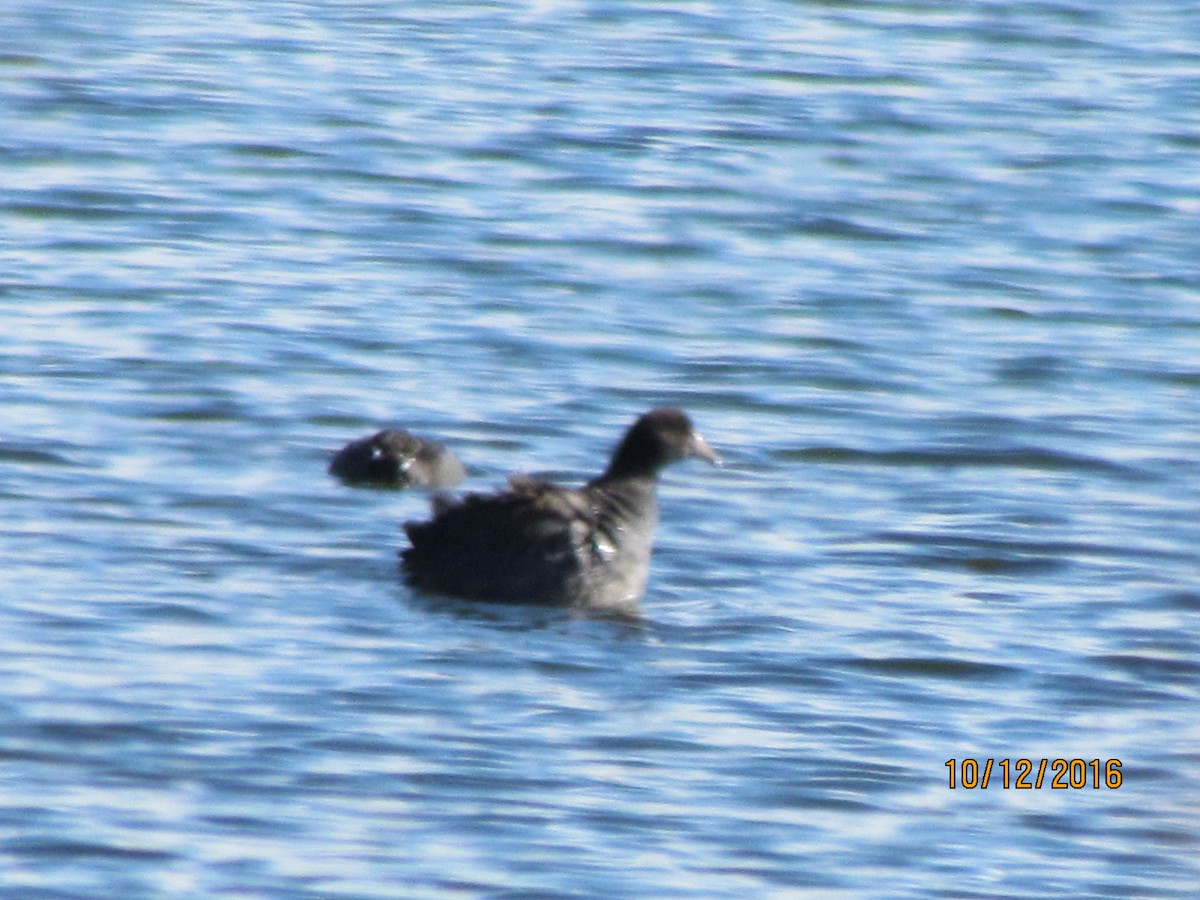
{"points": [[636, 457], [633, 480]]}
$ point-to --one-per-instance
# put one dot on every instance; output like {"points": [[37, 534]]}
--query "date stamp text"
{"points": [[1035, 774]]}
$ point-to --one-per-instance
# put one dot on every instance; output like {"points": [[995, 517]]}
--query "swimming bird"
{"points": [[398, 459], [540, 543]]}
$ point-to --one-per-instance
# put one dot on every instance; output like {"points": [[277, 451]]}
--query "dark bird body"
{"points": [[397, 459], [540, 543]]}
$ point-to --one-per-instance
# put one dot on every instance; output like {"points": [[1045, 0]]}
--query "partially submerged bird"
{"points": [[394, 458], [540, 543]]}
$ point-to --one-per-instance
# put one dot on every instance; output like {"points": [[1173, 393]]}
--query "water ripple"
{"points": [[929, 288]]}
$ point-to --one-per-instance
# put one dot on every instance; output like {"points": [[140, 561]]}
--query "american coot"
{"points": [[394, 458], [539, 543]]}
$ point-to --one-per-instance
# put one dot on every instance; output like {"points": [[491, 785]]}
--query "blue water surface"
{"points": [[924, 273]]}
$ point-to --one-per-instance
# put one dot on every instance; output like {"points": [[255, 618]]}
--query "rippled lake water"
{"points": [[925, 273]]}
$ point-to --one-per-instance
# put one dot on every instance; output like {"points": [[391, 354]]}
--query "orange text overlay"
{"points": [[1035, 774]]}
